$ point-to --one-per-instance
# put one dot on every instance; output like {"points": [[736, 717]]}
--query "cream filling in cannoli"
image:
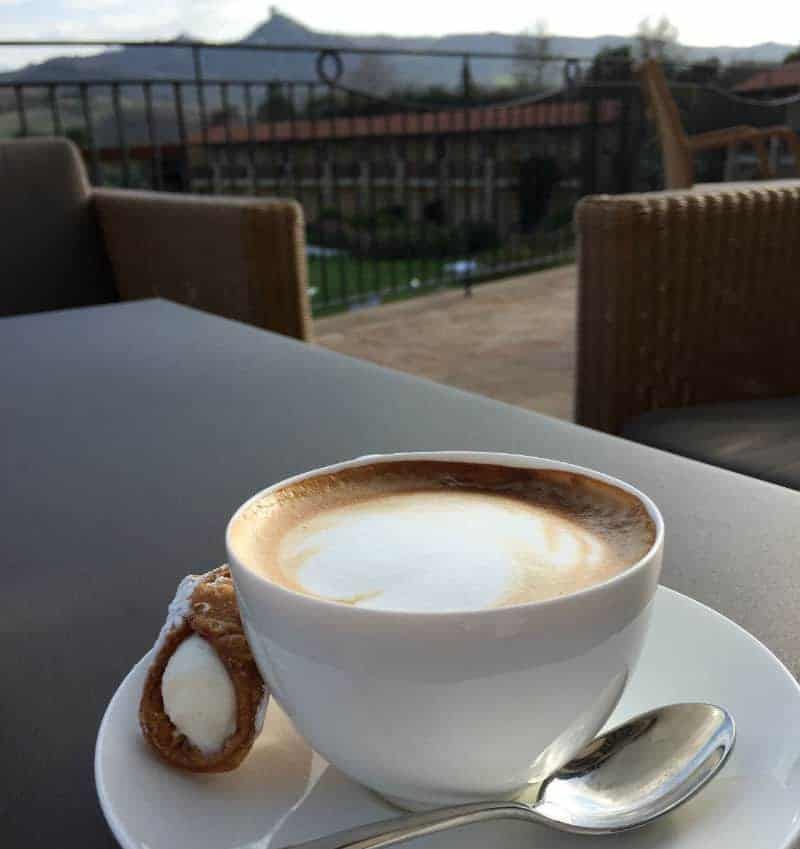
{"points": [[198, 695]]}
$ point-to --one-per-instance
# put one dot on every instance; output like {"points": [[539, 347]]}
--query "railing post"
{"points": [[251, 153], [180, 118], [443, 187], [399, 176], [488, 188], [327, 182], [122, 139], [230, 157], [22, 117], [589, 141], [94, 161], [290, 172], [197, 64], [55, 112], [201, 95], [363, 182], [157, 177], [625, 164]]}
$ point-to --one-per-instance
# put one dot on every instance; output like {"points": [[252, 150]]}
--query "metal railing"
{"points": [[403, 190]]}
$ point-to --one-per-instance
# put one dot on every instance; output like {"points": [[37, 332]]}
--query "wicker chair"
{"points": [[678, 148], [687, 297], [66, 244]]}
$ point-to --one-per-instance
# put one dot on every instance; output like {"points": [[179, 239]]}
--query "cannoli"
{"points": [[204, 700]]}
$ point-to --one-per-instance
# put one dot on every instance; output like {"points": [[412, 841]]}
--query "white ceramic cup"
{"points": [[431, 709]]}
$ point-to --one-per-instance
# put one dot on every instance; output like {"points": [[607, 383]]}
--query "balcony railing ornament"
{"points": [[330, 66]]}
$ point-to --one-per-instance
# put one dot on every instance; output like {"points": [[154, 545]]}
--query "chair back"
{"points": [[677, 157], [687, 297], [51, 253]]}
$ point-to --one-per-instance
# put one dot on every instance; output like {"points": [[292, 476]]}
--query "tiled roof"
{"points": [[784, 76], [542, 115]]}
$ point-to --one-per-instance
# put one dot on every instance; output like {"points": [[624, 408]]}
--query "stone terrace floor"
{"points": [[513, 340]]}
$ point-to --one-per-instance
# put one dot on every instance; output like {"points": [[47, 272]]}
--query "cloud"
{"points": [[207, 19], [218, 21], [144, 19], [92, 5]]}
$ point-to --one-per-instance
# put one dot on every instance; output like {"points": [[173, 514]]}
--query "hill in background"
{"points": [[175, 63]]}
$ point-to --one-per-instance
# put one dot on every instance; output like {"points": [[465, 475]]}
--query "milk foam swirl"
{"points": [[439, 536]]}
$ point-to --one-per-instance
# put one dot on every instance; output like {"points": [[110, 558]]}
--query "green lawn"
{"points": [[339, 280], [345, 278]]}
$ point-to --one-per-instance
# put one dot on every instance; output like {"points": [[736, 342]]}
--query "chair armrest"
{"points": [[735, 135], [780, 130], [241, 258], [722, 138]]}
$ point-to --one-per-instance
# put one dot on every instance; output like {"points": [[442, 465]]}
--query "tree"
{"points": [[372, 75], [612, 65], [433, 95], [792, 56], [531, 53], [225, 115], [658, 40], [467, 83], [276, 106], [703, 72]]}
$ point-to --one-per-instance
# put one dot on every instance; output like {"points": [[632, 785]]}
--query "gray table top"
{"points": [[131, 432]]}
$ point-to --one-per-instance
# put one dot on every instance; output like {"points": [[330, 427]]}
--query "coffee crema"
{"points": [[436, 535]]}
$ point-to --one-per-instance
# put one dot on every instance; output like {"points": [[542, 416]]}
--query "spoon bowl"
{"points": [[624, 779], [638, 771]]}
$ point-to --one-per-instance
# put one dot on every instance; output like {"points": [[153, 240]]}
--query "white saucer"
{"points": [[284, 793]]}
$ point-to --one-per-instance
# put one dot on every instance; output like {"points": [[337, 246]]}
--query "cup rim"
{"points": [[467, 456]]}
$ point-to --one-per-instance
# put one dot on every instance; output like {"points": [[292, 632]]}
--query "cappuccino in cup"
{"points": [[443, 536]]}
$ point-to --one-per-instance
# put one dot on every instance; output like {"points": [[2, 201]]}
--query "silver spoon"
{"points": [[623, 779]]}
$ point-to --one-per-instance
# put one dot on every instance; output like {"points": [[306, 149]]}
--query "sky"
{"points": [[709, 23]]}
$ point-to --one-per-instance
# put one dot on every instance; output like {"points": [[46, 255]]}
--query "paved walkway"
{"points": [[513, 340]]}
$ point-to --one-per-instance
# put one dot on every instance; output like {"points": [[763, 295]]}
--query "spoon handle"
{"points": [[393, 831]]}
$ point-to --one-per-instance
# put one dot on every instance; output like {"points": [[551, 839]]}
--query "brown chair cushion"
{"points": [[756, 438], [51, 251]]}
